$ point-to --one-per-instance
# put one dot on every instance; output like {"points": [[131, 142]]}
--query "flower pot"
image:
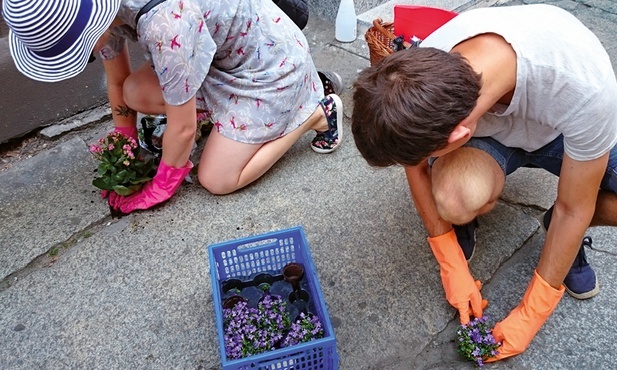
{"points": [[232, 301], [281, 288], [293, 273], [263, 278], [230, 288], [264, 281]]}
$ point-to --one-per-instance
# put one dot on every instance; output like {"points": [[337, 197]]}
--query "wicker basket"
{"points": [[380, 38]]}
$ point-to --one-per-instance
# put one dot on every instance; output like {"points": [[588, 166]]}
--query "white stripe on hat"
{"points": [[47, 40]]}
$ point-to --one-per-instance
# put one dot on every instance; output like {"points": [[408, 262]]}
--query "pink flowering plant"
{"points": [[476, 342], [120, 168], [250, 331]]}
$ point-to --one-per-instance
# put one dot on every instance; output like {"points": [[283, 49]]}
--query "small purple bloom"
{"points": [[476, 342], [249, 331]]}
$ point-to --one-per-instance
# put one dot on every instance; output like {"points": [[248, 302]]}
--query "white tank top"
{"points": [[565, 83]]}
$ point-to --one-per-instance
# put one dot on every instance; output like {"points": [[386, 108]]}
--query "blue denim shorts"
{"points": [[549, 157]]}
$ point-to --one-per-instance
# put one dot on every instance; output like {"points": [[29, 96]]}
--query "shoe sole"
{"points": [[339, 125], [582, 296], [335, 80], [473, 251]]}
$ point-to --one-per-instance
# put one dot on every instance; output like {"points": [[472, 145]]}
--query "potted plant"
{"points": [[249, 330], [306, 328], [120, 169]]}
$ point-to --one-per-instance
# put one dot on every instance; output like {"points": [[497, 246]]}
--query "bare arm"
{"points": [[419, 180], [181, 120], [576, 199], [179, 133], [117, 70], [574, 208], [461, 290]]}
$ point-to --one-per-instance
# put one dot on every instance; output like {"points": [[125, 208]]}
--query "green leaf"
{"points": [[100, 183], [151, 169], [103, 168], [123, 190], [121, 177], [141, 180]]}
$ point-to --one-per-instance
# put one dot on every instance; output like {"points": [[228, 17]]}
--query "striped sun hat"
{"points": [[52, 40]]}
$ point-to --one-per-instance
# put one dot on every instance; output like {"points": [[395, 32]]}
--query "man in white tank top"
{"points": [[492, 90]]}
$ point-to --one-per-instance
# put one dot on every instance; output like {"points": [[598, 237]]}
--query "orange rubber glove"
{"points": [[517, 330], [462, 291]]}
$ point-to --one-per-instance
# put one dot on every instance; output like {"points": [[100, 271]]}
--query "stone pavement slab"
{"points": [[44, 201]]}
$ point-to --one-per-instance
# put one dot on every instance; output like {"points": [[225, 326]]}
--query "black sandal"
{"points": [[327, 141]]}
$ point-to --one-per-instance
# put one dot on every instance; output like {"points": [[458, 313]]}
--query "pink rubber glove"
{"points": [[462, 291], [164, 184], [127, 131], [517, 330]]}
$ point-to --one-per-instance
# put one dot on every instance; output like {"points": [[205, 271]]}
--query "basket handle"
{"points": [[377, 23], [271, 242]]}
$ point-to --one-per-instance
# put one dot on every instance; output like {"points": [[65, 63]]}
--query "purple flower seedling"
{"points": [[476, 342], [249, 331], [305, 329]]}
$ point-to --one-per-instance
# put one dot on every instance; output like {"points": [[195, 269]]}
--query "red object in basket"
{"points": [[419, 21]]}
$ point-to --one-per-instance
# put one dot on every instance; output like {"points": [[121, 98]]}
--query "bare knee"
{"points": [[132, 94], [466, 183], [141, 91], [216, 186], [452, 207]]}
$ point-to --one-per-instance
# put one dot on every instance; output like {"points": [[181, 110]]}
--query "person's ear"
{"points": [[460, 132]]}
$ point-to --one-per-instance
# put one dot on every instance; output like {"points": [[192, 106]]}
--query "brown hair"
{"points": [[406, 107]]}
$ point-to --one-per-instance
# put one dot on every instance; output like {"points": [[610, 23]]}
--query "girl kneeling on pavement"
{"points": [[243, 63]]}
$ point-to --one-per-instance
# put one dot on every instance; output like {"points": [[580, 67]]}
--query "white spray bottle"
{"points": [[346, 22]]}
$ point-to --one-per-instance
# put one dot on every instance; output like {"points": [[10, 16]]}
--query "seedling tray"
{"points": [[268, 253]]}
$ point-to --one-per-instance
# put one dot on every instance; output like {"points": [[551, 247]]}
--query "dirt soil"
{"points": [[21, 148], [27, 146]]}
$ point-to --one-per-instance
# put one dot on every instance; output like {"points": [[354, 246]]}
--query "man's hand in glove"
{"points": [[461, 290], [517, 330]]}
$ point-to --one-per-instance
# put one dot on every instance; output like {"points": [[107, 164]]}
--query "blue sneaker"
{"points": [[466, 236], [581, 281]]}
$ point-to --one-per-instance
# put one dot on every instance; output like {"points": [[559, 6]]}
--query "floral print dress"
{"points": [[248, 65]]}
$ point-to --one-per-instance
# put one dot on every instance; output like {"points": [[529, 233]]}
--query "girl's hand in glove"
{"points": [[160, 189]]}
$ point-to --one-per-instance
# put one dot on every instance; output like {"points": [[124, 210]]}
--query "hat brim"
{"points": [[72, 61]]}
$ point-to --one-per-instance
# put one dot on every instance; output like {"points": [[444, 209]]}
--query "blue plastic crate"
{"points": [[243, 258]]}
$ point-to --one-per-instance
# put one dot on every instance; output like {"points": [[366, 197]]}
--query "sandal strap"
{"points": [[328, 140]]}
